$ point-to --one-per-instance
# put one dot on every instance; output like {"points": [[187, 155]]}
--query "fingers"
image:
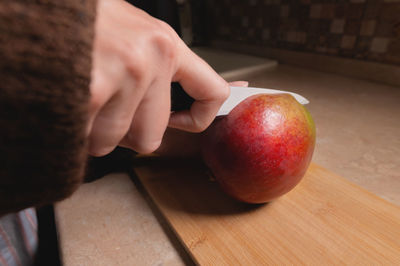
{"points": [[112, 123], [101, 89], [204, 85], [132, 48], [150, 120]]}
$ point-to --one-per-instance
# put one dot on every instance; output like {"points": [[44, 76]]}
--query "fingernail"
{"points": [[239, 83]]}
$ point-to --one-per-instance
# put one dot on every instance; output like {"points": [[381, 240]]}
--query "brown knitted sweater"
{"points": [[45, 63]]}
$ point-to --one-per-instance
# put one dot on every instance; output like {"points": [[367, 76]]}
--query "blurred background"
{"points": [[361, 29]]}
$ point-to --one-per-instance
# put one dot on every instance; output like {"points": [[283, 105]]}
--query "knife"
{"points": [[180, 100]]}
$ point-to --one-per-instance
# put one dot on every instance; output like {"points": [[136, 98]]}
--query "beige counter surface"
{"points": [[110, 222]]}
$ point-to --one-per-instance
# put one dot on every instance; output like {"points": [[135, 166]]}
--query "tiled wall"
{"points": [[361, 29]]}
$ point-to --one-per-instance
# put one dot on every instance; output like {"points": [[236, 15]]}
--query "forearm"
{"points": [[45, 51]]}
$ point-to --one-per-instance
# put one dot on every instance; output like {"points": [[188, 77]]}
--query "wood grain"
{"points": [[324, 220]]}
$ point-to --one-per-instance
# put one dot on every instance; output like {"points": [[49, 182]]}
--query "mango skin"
{"points": [[262, 148]]}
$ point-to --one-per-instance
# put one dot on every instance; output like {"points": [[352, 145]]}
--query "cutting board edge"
{"points": [[161, 215]]}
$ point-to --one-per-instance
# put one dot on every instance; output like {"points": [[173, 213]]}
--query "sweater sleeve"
{"points": [[45, 64]]}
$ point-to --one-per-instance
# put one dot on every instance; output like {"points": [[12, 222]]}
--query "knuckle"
{"points": [[137, 70], [165, 40], [137, 64]]}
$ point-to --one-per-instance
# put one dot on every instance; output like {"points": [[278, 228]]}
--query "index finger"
{"points": [[205, 86]]}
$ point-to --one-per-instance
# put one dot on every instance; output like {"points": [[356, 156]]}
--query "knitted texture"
{"points": [[45, 64]]}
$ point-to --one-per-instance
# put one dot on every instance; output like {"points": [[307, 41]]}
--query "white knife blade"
{"points": [[238, 94]]}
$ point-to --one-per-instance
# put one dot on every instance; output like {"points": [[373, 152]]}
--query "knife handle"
{"points": [[180, 100]]}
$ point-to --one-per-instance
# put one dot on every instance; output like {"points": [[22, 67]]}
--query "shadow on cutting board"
{"points": [[186, 185]]}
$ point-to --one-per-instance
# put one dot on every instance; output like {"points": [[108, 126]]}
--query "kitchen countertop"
{"points": [[110, 221]]}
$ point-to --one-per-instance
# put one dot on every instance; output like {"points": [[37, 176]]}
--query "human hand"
{"points": [[178, 143], [135, 59]]}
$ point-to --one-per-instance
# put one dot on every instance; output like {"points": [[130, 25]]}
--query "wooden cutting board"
{"points": [[324, 220]]}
